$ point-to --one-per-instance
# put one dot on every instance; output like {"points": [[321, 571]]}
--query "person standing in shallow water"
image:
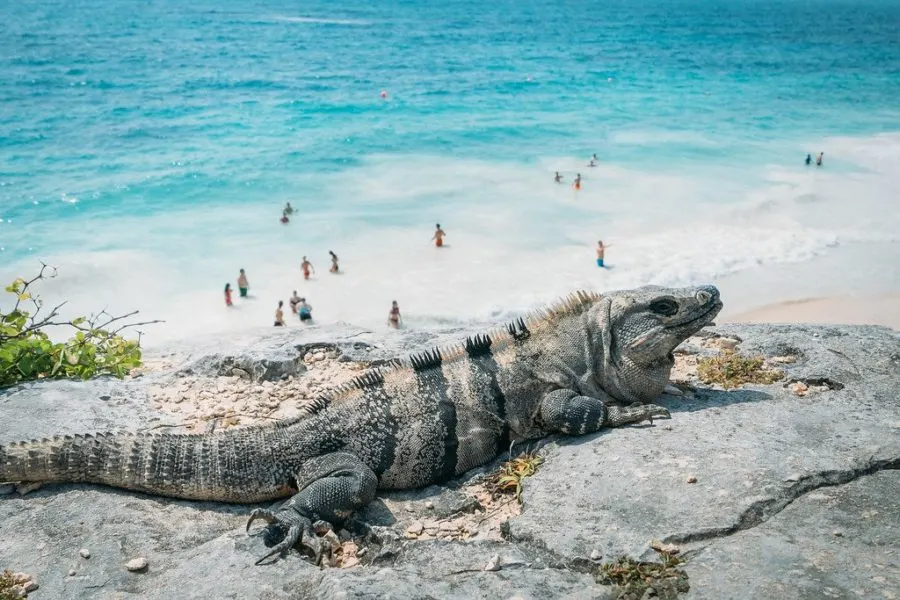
{"points": [[228, 295], [819, 159], [279, 314], [601, 251], [808, 159], [295, 302], [577, 184], [306, 266], [558, 178], [243, 284], [305, 310], [394, 316], [438, 236], [334, 263]]}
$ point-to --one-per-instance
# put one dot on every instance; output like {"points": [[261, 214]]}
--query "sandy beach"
{"points": [[883, 309]]}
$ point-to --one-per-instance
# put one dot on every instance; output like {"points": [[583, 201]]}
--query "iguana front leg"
{"points": [[567, 412], [330, 487]]}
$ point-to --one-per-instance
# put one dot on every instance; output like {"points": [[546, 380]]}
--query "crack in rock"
{"points": [[763, 510]]}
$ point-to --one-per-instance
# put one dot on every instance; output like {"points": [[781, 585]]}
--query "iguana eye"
{"points": [[664, 306]]}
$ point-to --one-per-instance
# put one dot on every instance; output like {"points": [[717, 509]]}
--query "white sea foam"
{"points": [[515, 239], [321, 20]]}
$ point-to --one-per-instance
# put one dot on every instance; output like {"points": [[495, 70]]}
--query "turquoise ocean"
{"points": [[147, 147]]}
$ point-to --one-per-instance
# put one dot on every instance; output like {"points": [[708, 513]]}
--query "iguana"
{"points": [[589, 361]]}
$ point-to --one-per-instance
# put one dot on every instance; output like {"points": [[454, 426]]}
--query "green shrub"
{"points": [[27, 352]]}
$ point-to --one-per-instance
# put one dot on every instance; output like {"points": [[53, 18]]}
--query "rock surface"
{"points": [[795, 493]]}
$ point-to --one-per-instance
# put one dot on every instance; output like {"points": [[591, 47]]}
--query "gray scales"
{"points": [[587, 362]]}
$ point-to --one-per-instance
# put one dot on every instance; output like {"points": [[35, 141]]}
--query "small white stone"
{"points": [[429, 504], [85, 553], [136, 564], [30, 586], [493, 564], [415, 528], [596, 554], [72, 573]]}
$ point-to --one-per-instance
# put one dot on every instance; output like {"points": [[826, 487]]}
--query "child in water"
{"points": [[243, 284], [228, 295], [394, 316], [334, 262], [438, 236], [577, 183], [601, 251]]}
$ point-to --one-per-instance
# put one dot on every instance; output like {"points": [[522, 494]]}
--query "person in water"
{"points": [[334, 263], [593, 162], [819, 159], [243, 284], [228, 295], [601, 251], [558, 178], [438, 236], [288, 209], [294, 302], [808, 159], [284, 218], [394, 315], [305, 310], [306, 266], [279, 315], [577, 183]]}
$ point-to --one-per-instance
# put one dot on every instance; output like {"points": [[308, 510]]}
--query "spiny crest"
{"points": [[574, 303]]}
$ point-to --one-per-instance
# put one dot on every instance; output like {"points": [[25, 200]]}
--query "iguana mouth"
{"points": [[707, 315]]}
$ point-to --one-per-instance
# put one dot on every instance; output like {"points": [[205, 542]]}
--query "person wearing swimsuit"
{"points": [[601, 251], [577, 183], [394, 315], [305, 310], [243, 284], [334, 262], [438, 236], [306, 266], [279, 315], [228, 295]]}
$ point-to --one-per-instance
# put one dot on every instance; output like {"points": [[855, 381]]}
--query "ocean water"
{"points": [[147, 147]]}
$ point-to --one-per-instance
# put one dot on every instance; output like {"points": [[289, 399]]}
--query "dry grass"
{"points": [[507, 480], [9, 586], [731, 370], [633, 577]]}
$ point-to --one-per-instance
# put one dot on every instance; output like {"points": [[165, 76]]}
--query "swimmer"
{"points": [[288, 209], [306, 266], [601, 250], [243, 284], [334, 263], [577, 183], [284, 218], [394, 316], [228, 295], [808, 159], [819, 159], [305, 310], [438, 236], [294, 302], [558, 178], [593, 162], [279, 315]]}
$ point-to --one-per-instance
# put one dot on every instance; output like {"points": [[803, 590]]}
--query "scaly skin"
{"points": [[588, 362]]}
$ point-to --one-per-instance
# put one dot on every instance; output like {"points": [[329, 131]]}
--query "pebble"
{"points": [[493, 564], [30, 586], [72, 573], [596, 555], [692, 479], [429, 504], [838, 533], [85, 553], [136, 564], [415, 528], [361, 552], [240, 373]]}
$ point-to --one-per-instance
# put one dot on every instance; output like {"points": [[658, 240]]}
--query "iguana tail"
{"points": [[233, 466]]}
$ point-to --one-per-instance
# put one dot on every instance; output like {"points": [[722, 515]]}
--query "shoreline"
{"points": [[880, 309]]}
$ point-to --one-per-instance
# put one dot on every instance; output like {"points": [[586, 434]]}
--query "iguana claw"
{"points": [[292, 537], [261, 513]]}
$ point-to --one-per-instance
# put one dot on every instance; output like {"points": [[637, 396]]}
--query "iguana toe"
{"points": [[292, 537]]}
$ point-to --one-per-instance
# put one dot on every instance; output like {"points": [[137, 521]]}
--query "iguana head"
{"points": [[641, 328]]}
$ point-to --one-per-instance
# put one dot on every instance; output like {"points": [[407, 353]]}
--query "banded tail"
{"points": [[232, 466]]}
